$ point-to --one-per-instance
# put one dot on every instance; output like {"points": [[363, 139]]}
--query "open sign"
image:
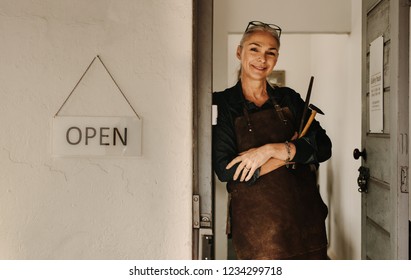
{"points": [[96, 136]]}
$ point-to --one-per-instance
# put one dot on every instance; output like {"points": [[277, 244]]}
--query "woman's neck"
{"points": [[255, 91]]}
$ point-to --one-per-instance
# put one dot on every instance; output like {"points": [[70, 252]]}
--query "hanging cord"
{"points": [[112, 78], [68, 97], [132, 108]]}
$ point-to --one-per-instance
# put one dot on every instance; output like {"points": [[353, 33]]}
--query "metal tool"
{"points": [[314, 111], [306, 104]]}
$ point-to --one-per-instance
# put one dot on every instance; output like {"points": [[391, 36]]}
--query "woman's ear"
{"points": [[239, 48]]}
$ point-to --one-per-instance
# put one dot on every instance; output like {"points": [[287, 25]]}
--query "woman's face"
{"points": [[258, 55]]}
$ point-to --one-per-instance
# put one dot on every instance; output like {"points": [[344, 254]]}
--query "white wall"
{"points": [[337, 90], [334, 59], [95, 208]]}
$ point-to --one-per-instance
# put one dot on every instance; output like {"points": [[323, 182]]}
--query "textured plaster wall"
{"points": [[95, 208]]}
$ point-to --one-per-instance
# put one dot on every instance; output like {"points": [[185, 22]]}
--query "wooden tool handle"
{"points": [[307, 126]]}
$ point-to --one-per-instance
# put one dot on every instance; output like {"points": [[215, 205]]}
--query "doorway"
{"points": [[303, 55], [332, 54]]}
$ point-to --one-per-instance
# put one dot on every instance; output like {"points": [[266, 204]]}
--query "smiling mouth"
{"points": [[260, 68]]}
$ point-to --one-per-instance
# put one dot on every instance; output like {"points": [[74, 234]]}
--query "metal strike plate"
{"points": [[206, 244]]}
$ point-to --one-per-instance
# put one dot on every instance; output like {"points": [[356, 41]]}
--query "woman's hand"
{"points": [[250, 161], [269, 157]]}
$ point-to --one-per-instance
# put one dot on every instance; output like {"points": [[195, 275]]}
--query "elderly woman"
{"points": [[276, 211]]}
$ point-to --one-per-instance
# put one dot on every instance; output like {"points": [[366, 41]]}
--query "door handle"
{"points": [[362, 179], [357, 154]]}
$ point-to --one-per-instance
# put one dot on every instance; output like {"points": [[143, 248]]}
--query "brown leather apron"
{"points": [[281, 215]]}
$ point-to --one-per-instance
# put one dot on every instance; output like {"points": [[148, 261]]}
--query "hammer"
{"points": [[314, 111]]}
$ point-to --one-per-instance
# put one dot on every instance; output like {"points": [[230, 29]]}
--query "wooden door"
{"points": [[385, 202]]}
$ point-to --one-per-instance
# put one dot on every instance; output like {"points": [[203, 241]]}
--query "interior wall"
{"points": [[294, 16], [334, 60], [336, 92], [83, 207]]}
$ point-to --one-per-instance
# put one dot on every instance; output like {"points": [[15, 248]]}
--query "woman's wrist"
{"points": [[293, 150], [288, 149], [282, 151]]}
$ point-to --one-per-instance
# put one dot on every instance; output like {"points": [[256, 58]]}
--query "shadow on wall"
{"points": [[329, 191], [341, 246]]}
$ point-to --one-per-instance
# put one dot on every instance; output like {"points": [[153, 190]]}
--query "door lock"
{"points": [[362, 179]]}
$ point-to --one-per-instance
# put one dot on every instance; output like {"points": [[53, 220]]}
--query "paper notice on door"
{"points": [[376, 97]]}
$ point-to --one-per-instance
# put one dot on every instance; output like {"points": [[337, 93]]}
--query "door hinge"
{"points": [[404, 179], [196, 211], [200, 220]]}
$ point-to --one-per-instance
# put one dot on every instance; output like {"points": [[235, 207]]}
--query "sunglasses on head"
{"points": [[274, 27]]}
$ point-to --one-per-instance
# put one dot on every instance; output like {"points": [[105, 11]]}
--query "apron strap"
{"points": [[277, 108], [247, 116]]}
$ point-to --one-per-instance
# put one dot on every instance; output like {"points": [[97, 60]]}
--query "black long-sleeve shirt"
{"points": [[314, 147]]}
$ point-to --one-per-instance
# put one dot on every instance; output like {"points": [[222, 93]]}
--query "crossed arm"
{"points": [[267, 157]]}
